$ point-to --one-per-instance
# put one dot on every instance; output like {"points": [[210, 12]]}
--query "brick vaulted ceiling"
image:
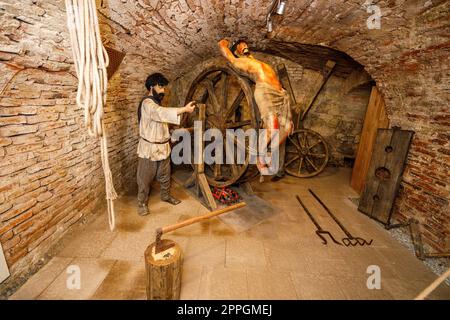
{"points": [[179, 33], [172, 36]]}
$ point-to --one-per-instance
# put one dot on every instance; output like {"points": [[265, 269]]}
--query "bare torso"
{"points": [[261, 72]]}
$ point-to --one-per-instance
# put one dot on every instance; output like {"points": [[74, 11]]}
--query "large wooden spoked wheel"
{"points": [[229, 105], [306, 154]]}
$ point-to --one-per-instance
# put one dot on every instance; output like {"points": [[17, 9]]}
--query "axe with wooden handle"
{"points": [[160, 246]]}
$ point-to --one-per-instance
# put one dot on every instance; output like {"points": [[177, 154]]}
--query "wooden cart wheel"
{"points": [[306, 154], [229, 105]]}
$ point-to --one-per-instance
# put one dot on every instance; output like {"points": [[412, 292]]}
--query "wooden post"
{"points": [[202, 182], [198, 135], [286, 82], [327, 71], [376, 117], [198, 178], [163, 272]]}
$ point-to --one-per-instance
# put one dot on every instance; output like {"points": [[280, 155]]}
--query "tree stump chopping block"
{"points": [[163, 271]]}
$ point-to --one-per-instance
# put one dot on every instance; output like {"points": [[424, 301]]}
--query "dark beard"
{"points": [[158, 97], [244, 54]]}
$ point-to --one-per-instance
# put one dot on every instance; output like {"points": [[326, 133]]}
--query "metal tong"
{"points": [[320, 232], [350, 240]]}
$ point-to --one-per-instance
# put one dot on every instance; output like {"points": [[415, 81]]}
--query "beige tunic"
{"points": [[154, 128], [273, 102]]}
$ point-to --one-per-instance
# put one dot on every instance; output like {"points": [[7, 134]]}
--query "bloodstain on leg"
{"points": [[275, 124]]}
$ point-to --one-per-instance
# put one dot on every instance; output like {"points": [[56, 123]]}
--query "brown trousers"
{"points": [[282, 153], [146, 172]]}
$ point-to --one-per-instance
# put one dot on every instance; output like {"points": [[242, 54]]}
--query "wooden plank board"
{"points": [[375, 118], [367, 202], [326, 74], [384, 174], [201, 183], [206, 191], [198, 135], [286, 82], [115, 59], [4, 271]]}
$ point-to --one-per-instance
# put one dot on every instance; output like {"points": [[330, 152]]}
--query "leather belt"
{"points": [[164, 142]]}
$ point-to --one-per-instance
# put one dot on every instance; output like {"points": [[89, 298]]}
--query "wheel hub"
{"points": [[304, 151]]}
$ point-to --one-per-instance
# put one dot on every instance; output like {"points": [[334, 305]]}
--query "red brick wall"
{"points": [[50, 169]]}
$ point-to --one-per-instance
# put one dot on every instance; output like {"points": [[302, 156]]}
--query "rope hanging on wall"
{"points": [[91, 60]]}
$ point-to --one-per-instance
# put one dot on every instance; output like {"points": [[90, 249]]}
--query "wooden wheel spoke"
{"points": [[212, 123], [209, 112], [311, 163], [301, 140], [225, 84], [314, 144], [306, 141], [217, 170], [237, 101], [292, 160], [239, 146], [299, 170], [293, 142], [204, 96], [212, 95], [240, 124], [234, 169], [317, 155]]}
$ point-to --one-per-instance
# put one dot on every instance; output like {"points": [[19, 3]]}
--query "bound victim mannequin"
{"points": [[154, 147], [273, 101]]}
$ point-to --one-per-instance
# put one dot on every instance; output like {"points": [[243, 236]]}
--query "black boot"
{"points": [[277, 178], [143, 209], [280, 175], [171, 200]]}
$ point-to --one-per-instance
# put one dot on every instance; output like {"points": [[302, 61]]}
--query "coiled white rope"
{"points": [[91, 60]]}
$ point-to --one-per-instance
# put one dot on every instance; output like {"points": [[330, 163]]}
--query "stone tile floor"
{"points": [[281, 258]]}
